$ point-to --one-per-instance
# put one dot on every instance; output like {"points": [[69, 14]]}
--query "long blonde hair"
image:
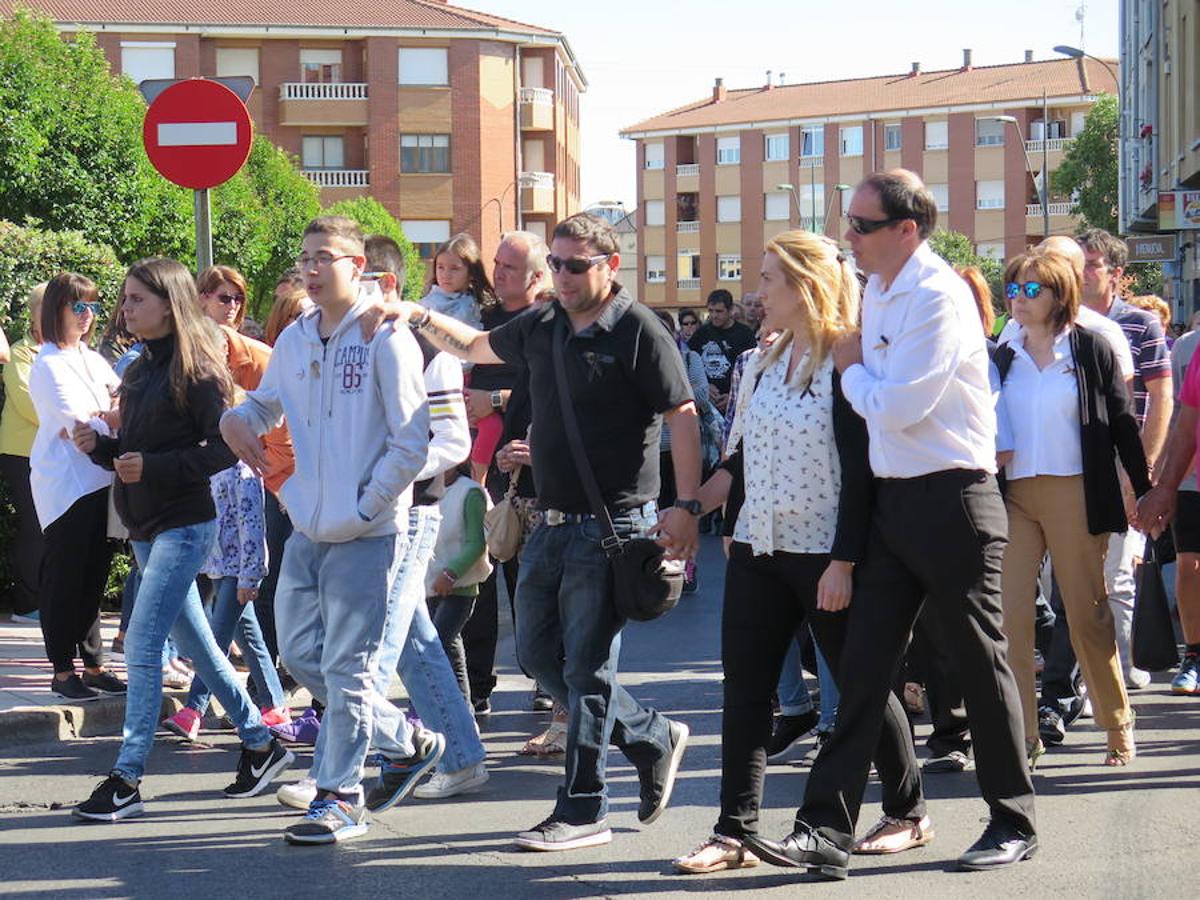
{"points": [[829, 296]]}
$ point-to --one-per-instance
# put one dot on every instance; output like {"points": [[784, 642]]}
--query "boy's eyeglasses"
{"points": [[576, 265], [79, 307], [321, 260], [1030, 289], [867, 226]]}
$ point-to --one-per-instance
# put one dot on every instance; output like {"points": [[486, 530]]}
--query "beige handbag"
{"points": [[502, 525]]}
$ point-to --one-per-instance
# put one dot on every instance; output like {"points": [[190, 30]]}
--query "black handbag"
{"points": [[1152, 644], [645, 583]]}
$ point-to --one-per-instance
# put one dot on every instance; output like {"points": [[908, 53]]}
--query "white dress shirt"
{"points": [[923, 384], [1091, 320], [1043, 410]]}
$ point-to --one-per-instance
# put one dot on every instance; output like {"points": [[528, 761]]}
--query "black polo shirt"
{"points": [[624, 372]]}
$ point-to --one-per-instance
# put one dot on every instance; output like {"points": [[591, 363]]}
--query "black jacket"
{"points": [[1107, 427], [856, 492], [180, 450]]}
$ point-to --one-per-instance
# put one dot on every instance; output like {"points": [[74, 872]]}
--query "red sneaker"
{"points": [[278, 715], [185, 723]]}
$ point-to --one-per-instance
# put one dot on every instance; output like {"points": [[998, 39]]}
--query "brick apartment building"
{"points": [[455, 120], [719, 177]]}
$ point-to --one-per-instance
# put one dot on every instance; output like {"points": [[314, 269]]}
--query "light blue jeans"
{"points": [[794, 699], [422, 663], [331, 609], [229, 616], [167, 601]]}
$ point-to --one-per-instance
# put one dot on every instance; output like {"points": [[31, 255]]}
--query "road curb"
{"points": [[102, 717]]}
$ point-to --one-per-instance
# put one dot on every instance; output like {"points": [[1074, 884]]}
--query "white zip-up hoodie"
{"points": [[359, 421]]}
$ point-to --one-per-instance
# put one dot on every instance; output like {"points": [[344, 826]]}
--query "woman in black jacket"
{"points": [[168, 445], [1070, 416]]}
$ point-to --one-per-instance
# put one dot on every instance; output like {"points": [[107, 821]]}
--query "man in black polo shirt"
{"points": [[625, 375], [720, 341]]}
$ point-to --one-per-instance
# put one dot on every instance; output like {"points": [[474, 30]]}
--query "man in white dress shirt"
{"points": [[919, 376]]}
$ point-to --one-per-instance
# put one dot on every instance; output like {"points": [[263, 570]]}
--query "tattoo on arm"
{"points": [[442, 336]]}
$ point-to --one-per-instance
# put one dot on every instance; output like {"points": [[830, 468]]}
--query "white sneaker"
{"points": [[298, 794], [1137, 678], [447, 784]]}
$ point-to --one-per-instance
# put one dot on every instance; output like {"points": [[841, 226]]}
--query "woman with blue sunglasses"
{"points": [[1070, 416], [70, 383]]}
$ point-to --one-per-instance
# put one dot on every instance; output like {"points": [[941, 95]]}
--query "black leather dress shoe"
{"points": [[1000, 845], [806, 848]]}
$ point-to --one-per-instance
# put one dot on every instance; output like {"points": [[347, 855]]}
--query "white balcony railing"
{"points": [[687, 227], [689, 284], [812, 162], [338, 90], [339, 178], [537, 180], [684, 169], [1051, 145], [1033, 210], [541, 96]]}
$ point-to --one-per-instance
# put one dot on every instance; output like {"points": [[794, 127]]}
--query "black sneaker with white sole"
{"points": [[556, 834], [72, 688], [258, 768], [113, 800], [398, 777], [104, 682], [658, 780]]}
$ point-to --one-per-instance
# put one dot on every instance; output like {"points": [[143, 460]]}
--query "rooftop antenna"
{"points": [[1081, 18]]}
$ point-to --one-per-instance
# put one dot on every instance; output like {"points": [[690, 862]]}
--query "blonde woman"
{"points": [[798, 532]]}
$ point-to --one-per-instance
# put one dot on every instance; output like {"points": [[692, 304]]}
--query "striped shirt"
{"points": [[1148, 343]]}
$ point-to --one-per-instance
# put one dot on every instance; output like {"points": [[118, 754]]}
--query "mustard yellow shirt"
{"points": [[19, 421]]}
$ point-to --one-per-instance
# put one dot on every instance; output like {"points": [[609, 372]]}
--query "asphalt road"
{"points": [[1104, 833]]}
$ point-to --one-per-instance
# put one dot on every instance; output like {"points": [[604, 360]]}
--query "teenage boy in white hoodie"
{"points": [[359, 422]]}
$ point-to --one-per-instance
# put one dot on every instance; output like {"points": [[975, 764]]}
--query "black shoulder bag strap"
{"points": [[611, 543]]}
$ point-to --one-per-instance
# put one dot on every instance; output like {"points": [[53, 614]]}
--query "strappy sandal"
{"points": [[552, 741], [714, 855], [1125, 751], [1035, 749]]}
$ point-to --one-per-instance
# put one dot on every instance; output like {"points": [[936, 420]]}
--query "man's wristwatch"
{"points": [[692, 506], [497, 400], [418, 324]]}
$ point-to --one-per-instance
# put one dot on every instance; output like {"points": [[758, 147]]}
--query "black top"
{"points": [[719, 349], [180, 450], [1107, 427], [624, 371], [501, 376]]}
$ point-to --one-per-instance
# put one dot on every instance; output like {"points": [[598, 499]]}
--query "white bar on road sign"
{"points": [[197, 134]]}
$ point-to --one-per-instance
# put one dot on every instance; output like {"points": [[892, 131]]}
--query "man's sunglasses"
{"points": [[228, 298], [576, 265], [688, 323], [1030, 289], [867, 226], [79, 307]]}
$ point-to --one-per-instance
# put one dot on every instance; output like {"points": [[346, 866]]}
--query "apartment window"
{"points": [[852, 141], [320, 66], [937, 136], [689, 265], [729, 209], [941, 194], [989, 195], [776, 206], [812, 141], [729, 151], [729, 268], [424, 66], [656, 268], [424, 153], [426, 234], [687, 207], [654, 156], [142, 60], [992, 250], [234, 61], [812, 206], [656, 213], [1078, 119], [323, 151], [533, 155], [891, 137], [777, 147], [989, 133], [532, 72]]}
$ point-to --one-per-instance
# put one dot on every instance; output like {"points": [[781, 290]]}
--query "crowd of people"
{"points": [[921, 502]]}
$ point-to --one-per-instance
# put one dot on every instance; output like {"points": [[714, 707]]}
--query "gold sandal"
{"points": [[1124, 751], [1035, 749]]}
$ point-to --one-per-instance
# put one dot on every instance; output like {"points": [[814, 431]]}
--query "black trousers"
{"points": [[25, 547], [937, 539], [947, 712], [449, 614], [74, 572], [482, 630], [767, 601]]}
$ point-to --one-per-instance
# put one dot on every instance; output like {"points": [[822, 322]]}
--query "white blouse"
{"points": [[1043, 412], [792, 470], [66, 386]]}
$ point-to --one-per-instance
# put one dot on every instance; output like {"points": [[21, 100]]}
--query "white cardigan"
{"points": [[66, 386]]}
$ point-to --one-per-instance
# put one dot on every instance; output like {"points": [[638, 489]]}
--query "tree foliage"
{"points": [[1088, 171], [374, 218], [956, 248]]}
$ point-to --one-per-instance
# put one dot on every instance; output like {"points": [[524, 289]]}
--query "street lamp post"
{"points": [[1042, 196], [839, 188], [1076, 53], [795, 196], [839, 191]]}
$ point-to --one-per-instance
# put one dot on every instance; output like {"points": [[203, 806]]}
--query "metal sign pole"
{"points": [[204, 253]]}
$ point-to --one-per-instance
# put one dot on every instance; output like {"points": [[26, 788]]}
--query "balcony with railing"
{"points": [[537, 109], [322, 103], [1034, 210], [688, 284], [687, 227], [1052, 146], [537, 192], [686, 170], [339, 178]]}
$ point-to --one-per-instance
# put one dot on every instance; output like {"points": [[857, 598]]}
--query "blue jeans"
{"points": [[829, 692], [229, 616], [167, 601], [330, 614], [794, 699], [129, 592], [418, 656], [565, 605]]}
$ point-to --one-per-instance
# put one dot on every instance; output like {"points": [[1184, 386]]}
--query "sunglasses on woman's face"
{"points": [[1030, 289], [79, 308], [228, 298]]}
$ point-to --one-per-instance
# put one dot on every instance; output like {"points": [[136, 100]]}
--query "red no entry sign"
{"points": [[197, 133]]}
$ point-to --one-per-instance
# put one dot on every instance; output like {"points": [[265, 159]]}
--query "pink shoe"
{"points": [[185, 723], [279, 715]]}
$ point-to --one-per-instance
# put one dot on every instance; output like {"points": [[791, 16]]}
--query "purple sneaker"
{"points": [[301, 730]]}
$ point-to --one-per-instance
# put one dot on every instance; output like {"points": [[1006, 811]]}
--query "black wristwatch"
{"points": [[692, 506], [496, 398]]}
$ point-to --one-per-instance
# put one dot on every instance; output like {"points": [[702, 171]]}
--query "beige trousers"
{"points": [[1048, 512]]}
